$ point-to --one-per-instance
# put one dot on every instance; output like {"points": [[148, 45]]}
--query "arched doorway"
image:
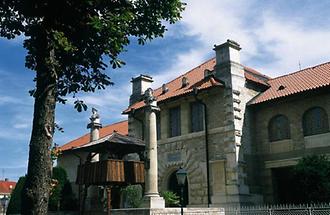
{"points": [[175, 188]]}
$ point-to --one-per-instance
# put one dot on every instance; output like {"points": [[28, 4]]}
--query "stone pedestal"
{"points": [[153, 202]]}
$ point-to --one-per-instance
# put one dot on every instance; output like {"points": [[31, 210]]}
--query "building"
{"points": [[101, 164], [235, 130], [70, 161], [6, 187]]}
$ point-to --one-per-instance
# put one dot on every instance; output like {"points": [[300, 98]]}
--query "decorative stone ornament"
{"points": [[164, 89], [95, 118], [94, 125], [149, 98]]}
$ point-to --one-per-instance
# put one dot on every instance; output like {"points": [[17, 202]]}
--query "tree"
{"points": [[14, 206], [66, 44], [311, 179]]}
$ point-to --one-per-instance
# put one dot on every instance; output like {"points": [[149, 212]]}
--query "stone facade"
{"points": [[226, 118], [241, 158], [286, 153]]}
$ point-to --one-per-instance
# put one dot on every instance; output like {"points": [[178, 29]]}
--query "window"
{"points": [[315, 121], [175, 122], [158, 126], [197, 116], [278, 128]]}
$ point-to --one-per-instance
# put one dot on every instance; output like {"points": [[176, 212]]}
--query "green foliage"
{"points": [[66, 43], [132, 195], [171, 199], [72, 37], [61, 197], [68, 200], [15, 202], [311, 179]]}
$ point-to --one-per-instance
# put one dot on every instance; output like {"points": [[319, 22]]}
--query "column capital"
{"points": [[152, 108]]}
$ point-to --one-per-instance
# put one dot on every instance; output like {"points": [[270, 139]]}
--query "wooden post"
{"points": [[109, 200]]}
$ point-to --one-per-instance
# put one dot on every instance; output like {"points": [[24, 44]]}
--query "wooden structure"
{"points": [[112, 169], [111, 172]]}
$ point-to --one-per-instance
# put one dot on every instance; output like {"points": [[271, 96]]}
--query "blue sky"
{"points": [[274, 35]]}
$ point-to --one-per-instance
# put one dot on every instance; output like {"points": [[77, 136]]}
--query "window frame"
{"points": [[282, 129], [311, 128], [199, 123], [172, 132]]}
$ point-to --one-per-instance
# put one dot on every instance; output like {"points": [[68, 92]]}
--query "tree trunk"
{"points": [[38, 180]]}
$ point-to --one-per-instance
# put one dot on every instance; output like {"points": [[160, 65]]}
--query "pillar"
{"points": [[151, 195]]}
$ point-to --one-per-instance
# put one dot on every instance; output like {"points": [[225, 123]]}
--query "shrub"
{"points": [[132, 196], [171, 199], [15, 202], [311, 179], [61, 197]]}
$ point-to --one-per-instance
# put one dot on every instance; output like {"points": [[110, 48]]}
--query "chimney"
{"points": [[227, 52], [6, 179], [228, 64], [94, 125], [139, 85]]}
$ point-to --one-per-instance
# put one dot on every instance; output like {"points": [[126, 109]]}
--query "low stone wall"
{"points": [[168, 211]]}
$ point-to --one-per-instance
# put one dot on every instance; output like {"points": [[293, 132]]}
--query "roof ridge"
{"points": [[256, 72], [86, 134], [205, 62], [116, 123], [302, 70]]}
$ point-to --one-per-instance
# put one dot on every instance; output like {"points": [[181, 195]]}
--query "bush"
{"points": [[132, 196], [61, 197], [311, 179], [68, 200], [171, 199], [14, 206]]}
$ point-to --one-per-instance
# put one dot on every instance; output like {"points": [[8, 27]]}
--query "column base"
{"points": [[153, 201]]}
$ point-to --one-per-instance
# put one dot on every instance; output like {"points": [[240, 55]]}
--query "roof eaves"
{"points": [[255, 101], [221, 84]]}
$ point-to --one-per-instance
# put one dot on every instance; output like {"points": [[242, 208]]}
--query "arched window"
{"points": [[278, 128], [315, 121]]}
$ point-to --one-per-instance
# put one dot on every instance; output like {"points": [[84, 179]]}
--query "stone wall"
{"points": [[70, 163], [229, 138], [287, 152], [169, 211], [188, 149]]}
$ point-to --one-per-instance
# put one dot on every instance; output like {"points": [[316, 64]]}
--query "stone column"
{"points": [[94, 126], [151, 196]]}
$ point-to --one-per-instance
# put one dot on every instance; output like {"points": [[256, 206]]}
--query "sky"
{"points": [[277, 38]]}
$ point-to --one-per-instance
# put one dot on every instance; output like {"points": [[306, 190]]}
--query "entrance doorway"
{"points": [[282, 185], [175, 188]]}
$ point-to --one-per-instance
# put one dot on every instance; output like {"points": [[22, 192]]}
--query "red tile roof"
{"points": [[196, 78], [119, 127], [6, 187], [300, 81]]}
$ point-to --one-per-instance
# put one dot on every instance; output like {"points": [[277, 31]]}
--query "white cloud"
{"points": [[273, 43], [291, 43], [109, 102], [4, 100], [183, 63], [22, 125]]}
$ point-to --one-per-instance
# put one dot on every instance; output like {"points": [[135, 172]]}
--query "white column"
{"points": [[151, 195], [151, 185]]}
